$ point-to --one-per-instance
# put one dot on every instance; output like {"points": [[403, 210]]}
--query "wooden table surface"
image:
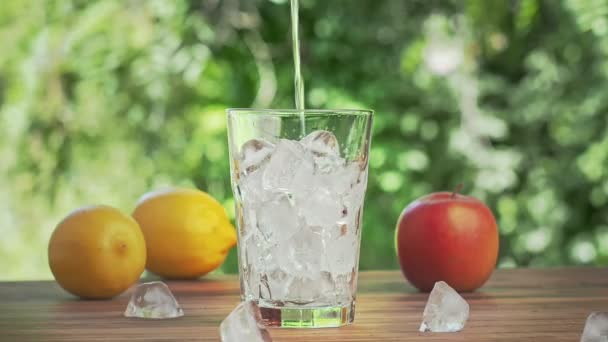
{"points": [[515, 305]]}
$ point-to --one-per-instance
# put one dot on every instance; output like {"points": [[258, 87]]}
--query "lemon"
{"points": [[97, 252], [187, 232]]}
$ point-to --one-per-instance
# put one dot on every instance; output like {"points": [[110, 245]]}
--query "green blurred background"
{"points": [[101, 101]]}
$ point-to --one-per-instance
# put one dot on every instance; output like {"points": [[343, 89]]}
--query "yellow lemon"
{"points": [[97, 252], [187, 232]]}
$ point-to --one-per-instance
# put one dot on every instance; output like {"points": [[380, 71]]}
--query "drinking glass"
{"points": [[299, 180]]}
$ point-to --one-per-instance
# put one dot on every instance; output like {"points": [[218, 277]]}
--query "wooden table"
{"points": [[515, 305]]}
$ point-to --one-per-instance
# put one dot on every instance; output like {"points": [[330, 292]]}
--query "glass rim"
{"points": [[294, 112]]}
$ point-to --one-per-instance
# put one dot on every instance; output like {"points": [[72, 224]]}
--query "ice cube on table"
{"points": [[596, 328], [445, 310], [254, 153], [153, 300], [244, 323]]}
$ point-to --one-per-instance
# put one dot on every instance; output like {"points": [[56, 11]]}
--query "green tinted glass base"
{"points": [[308, 317]]}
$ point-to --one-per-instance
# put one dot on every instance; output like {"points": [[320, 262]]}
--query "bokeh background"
{"points": [[101, 101]]}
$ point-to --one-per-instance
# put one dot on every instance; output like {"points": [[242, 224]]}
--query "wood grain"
{"points": [[515, 305]]}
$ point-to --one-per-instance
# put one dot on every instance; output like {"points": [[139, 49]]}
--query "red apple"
{"points": [[447, 236]]}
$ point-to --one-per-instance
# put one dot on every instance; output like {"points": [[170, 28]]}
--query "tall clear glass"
{"points": [[299, 182]]}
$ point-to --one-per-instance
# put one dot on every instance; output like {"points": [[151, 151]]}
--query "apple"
{"points": [[447, 236]]}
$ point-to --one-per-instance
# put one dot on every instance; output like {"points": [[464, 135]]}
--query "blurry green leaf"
{"points": [[591, 15]]}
